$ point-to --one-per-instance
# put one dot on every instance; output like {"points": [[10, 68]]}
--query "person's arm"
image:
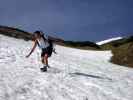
{"points": [[34, 46]]}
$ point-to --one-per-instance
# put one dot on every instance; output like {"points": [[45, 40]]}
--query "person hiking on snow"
{"points": [[46, 47]]}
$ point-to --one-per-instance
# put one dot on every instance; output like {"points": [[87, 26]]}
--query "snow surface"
{"points": [[74, 74], [108, 40]]}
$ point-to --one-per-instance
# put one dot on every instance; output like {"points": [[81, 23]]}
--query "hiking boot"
{"points": [[48, 66], [44, 69]]}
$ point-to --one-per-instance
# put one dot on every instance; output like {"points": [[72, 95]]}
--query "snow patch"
{"points": [[108, 40], [74, 75]]}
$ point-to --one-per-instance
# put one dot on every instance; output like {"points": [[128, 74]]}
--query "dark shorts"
{"points": [[47, 51]]}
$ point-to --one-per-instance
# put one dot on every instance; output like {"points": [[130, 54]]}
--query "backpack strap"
{"points": [[49, 41], [38, 44], [51, 46], [44, 38]]}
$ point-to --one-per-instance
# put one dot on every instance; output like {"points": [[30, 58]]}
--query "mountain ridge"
{"points": [[18, 33]]}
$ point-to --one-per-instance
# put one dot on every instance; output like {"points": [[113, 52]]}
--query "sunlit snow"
{"points": [[74, 74]]}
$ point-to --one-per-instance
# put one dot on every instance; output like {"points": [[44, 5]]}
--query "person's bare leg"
{"points": [[42, 60], [45, 64], [46, 59]]}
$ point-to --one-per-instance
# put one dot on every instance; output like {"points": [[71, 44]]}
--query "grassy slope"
{"points": [[87, 45], [122, 51], [123, 55]]}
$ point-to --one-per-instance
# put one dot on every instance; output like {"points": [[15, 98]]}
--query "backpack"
{"points": [[50, 47]]}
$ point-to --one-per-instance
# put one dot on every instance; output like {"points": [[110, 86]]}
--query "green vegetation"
{"points": [[117, 43], [123, 55], [82, 45], [122, 51]]}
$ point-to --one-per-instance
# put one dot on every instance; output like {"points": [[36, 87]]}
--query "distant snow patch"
{"points": [[108, 40]]}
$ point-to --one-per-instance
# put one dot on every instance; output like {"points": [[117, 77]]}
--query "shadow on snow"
{"points": [[91, 76]]}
